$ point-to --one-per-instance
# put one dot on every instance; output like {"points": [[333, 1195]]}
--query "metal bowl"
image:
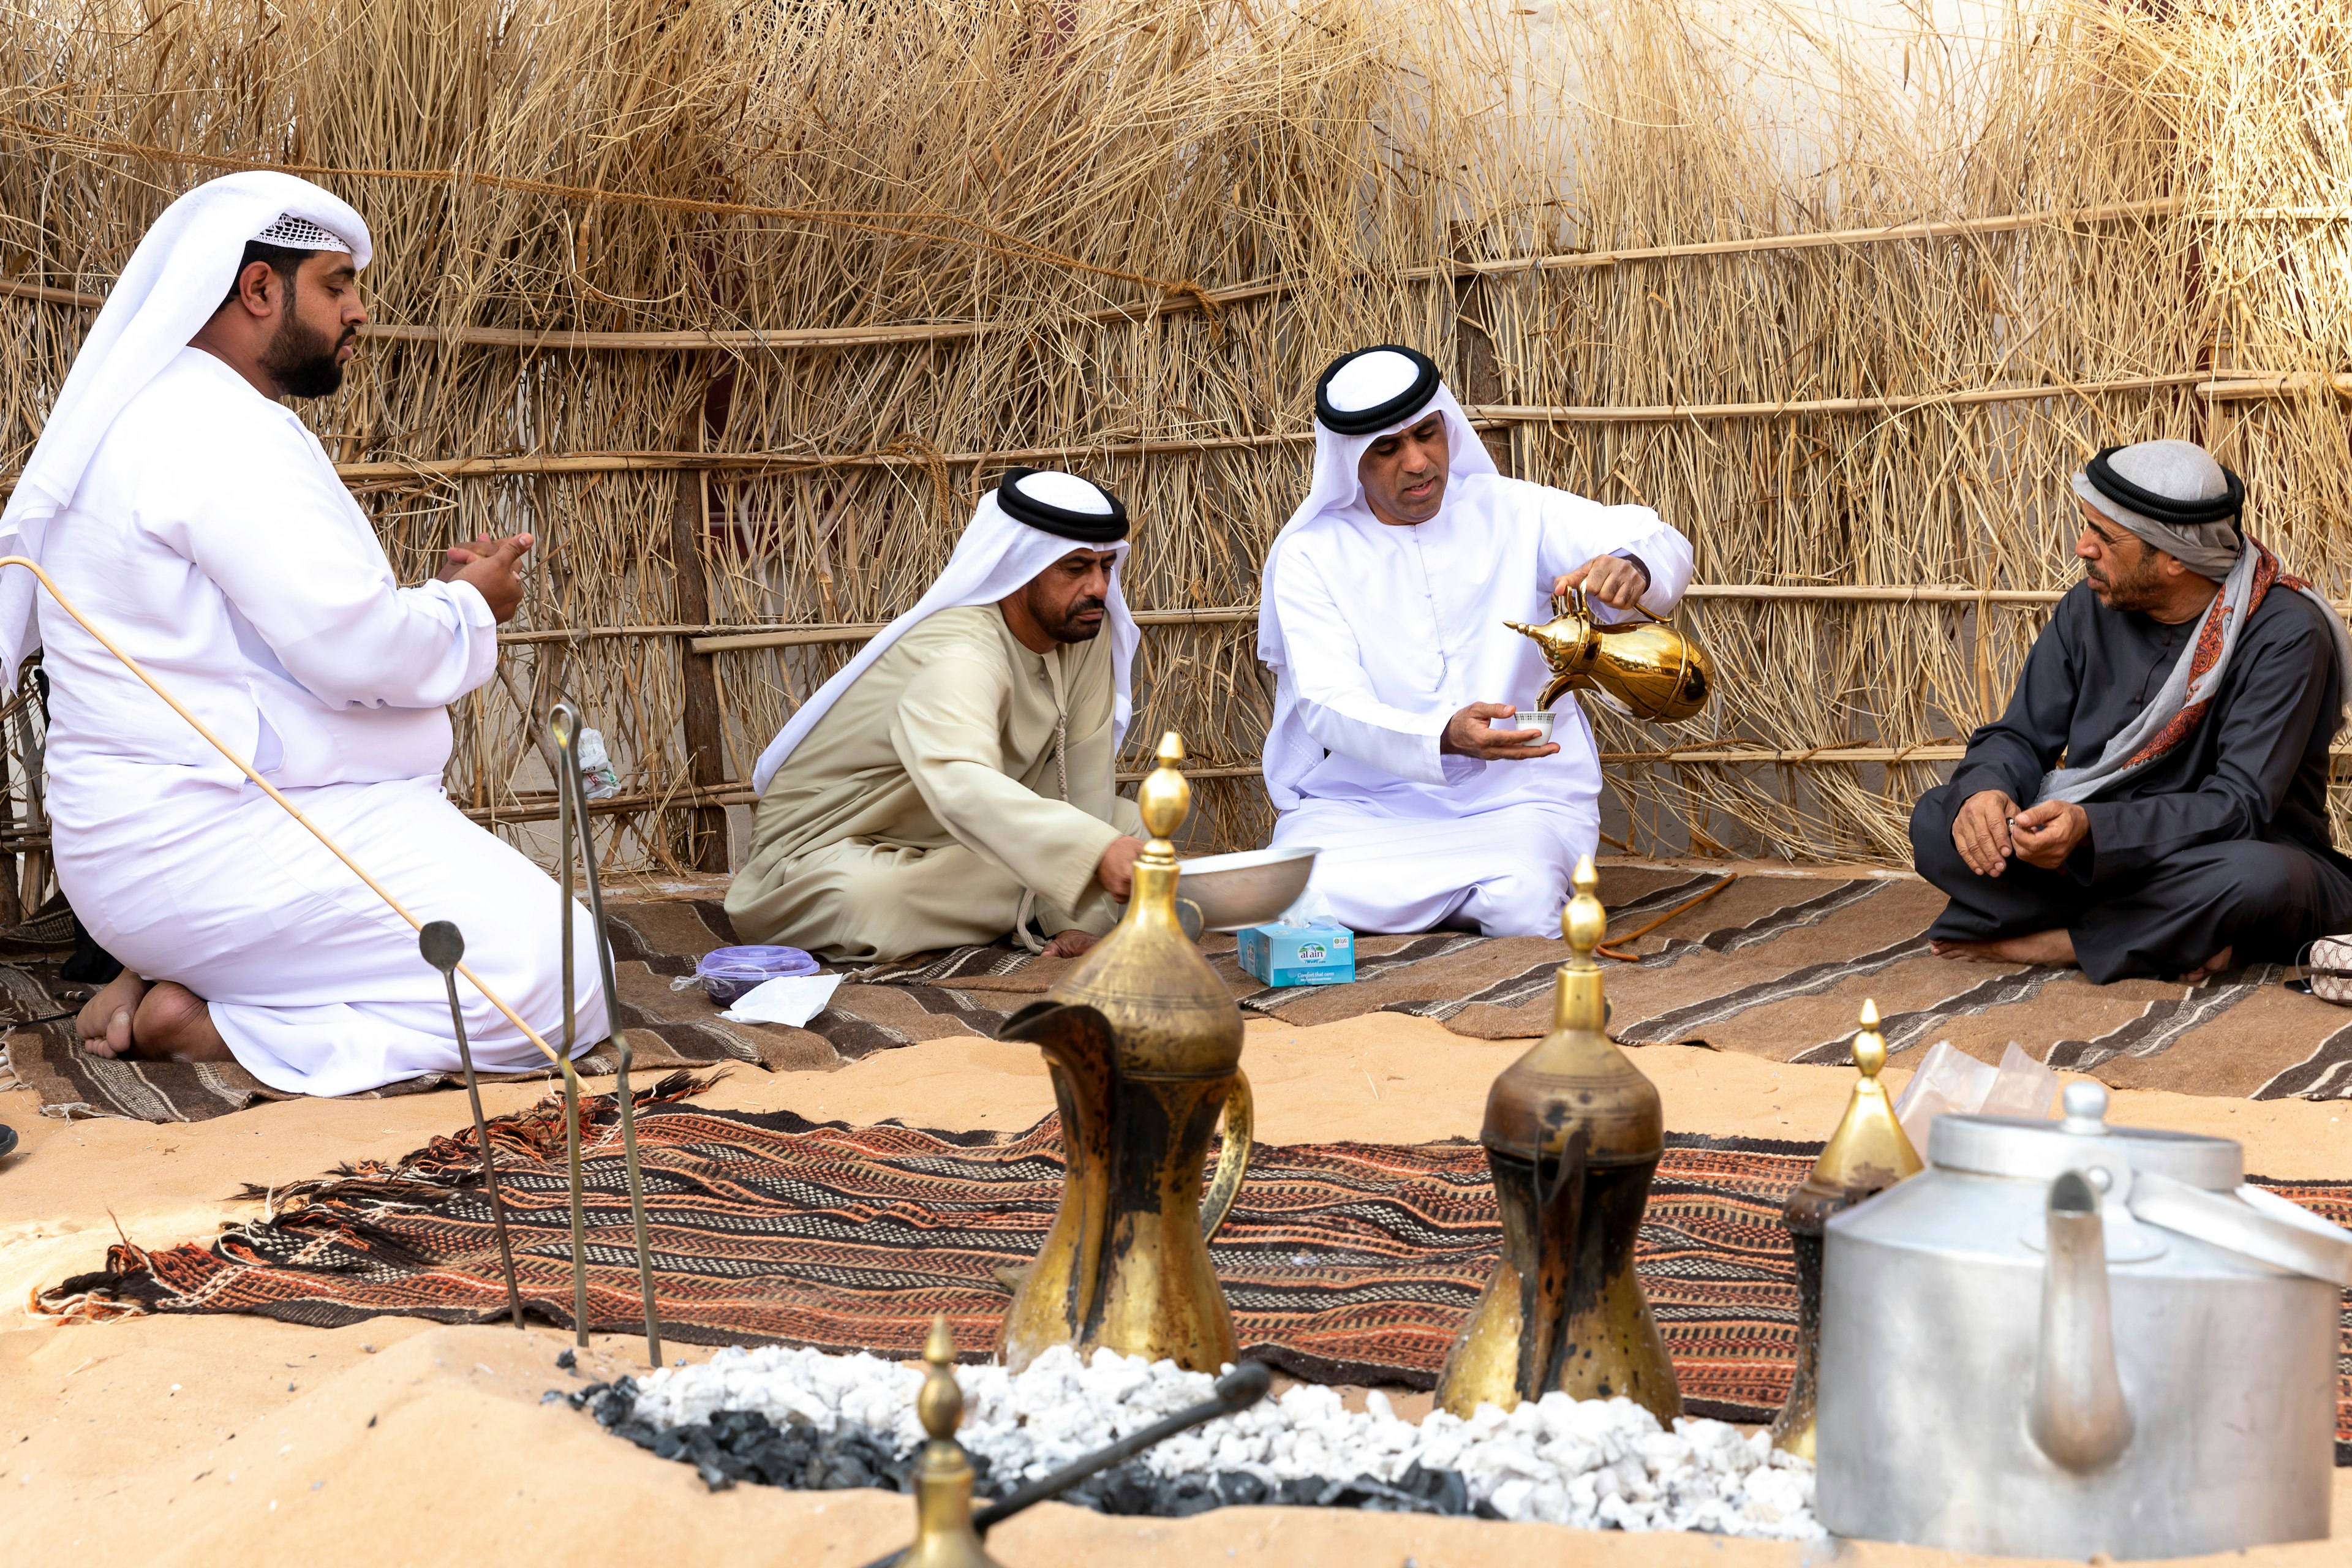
{"points": [[1244, 889]]}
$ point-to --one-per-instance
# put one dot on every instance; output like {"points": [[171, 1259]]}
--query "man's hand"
{"points": [[1467, 735], [1980, 832], [1115, 870], [492, 566], [2046, 835], [1617, 580], [1068, 944]]}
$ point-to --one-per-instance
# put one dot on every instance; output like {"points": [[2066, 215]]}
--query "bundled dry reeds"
{"points": [[772, 292]]}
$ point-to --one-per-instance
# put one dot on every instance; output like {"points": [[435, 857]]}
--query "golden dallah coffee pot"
{"points": [[944, 1535], [1656, 671], [1144, 1044], [1573, 1132], [1868, 1153]]}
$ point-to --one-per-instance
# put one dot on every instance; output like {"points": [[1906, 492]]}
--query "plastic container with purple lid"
{"points": [[727, 973]]}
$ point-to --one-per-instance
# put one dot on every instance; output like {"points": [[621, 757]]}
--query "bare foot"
{"points": [[1068, 944], [173, 1023], [2225, 959], [2052, 947], [105, 1019]]}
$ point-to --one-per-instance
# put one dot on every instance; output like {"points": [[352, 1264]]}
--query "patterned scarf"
{"points": [[2172, 715]]}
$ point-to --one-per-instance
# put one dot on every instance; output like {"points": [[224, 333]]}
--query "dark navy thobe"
{"points": [[2220, 843]]}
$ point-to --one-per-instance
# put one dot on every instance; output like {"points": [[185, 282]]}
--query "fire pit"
{"points": [[804, 1419]]}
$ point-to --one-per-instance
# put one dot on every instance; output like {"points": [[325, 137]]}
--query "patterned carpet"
{"points": [[1344, 1263], [1768, 965]]}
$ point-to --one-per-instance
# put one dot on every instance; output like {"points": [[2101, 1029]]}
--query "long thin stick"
{"points": [[565, 723], [489, 1165], [570, 1078], [571, 1081], [1607, 945], [135, 667], [442, 945]]}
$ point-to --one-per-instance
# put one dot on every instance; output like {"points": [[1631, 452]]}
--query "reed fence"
{"points": [[739, 307]]}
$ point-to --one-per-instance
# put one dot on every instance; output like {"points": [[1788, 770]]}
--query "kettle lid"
{"points": [[2043, 1150]]}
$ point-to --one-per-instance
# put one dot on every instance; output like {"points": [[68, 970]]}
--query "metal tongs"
{"points": [[572, 831], [443, 946]]}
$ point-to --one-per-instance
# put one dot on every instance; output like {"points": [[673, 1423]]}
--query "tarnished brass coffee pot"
{"points": [[1144, 1043], [1573, 1132], [944, 1535], [1868, 1153], [1656, 671]]}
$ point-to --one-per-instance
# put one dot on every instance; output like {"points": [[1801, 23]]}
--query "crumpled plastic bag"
{"points": [[1949, 1079], [726, 974], [598, 780], [792, 999]]}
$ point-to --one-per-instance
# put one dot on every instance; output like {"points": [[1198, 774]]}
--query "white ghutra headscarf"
{"points": [[995, 556], [183, 270], [1375, 392]]}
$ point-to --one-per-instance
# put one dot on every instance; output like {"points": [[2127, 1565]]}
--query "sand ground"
{"points": [[229, 1439]]}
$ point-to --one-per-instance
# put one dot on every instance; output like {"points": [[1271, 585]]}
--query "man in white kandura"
{"points": [[953, 782], [196, 521], [1384, 604]]}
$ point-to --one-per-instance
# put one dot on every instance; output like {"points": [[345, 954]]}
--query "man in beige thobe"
{"points": [[953, 783]]}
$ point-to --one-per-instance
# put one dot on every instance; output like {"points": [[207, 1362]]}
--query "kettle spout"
{"points": [[2077, 1416]]}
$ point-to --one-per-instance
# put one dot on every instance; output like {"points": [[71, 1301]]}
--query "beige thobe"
{"points": [[930, 798]]}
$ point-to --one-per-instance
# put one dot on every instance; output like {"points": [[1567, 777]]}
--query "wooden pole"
{"points": [[706, 749], [1481, 372]]}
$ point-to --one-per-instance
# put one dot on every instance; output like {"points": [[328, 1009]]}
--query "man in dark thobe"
{"points": [[2189, 689]]}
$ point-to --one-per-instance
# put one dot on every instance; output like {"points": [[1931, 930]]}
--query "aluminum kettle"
{"points": [[2064, 1339]]}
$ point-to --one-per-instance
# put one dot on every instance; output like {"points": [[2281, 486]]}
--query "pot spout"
{"points": [[2077, 1416]]}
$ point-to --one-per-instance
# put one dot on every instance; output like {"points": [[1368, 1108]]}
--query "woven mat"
{"points": [[1775, 966], [1770, 966], [667, 1030], [1344, 1262]]}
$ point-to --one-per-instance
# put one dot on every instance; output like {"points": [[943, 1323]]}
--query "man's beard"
{"points": [[2139, 589], [303, 361], [1068, 630]]}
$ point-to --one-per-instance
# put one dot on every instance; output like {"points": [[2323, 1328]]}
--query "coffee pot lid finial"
{"points": [[1165, 797], [1583, 920], [1869, 1150], [940, 1404], [1578, 1002], [942, 1477]]}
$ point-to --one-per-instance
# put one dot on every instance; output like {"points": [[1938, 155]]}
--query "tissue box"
{"points": [[1322, 953]]}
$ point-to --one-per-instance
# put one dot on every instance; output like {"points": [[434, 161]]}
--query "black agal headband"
{"points": [[1378, 416], [2165, 509], [1096, 528]]}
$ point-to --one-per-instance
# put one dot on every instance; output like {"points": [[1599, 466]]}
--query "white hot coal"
{"points": [[1598, 1463]]}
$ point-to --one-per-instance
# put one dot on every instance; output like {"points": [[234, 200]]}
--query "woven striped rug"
{"points": [[1344, 1262]]}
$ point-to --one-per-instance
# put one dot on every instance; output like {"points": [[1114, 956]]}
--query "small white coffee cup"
{"points": [[1538, 719]]}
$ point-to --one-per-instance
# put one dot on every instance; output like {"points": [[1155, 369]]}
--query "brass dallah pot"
{"points": [[1656, 671], [1144, 1044], [1868, 1153], [1573, 1132]]}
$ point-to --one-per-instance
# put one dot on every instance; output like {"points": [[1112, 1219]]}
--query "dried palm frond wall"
{"points": [[739, 308]]}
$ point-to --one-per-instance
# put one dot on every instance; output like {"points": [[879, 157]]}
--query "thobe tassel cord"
{"points": [[572, 831], [217, 744]]}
